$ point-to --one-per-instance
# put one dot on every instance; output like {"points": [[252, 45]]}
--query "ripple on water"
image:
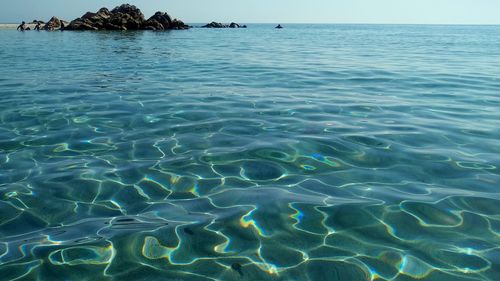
{"points": [[333, 152]]}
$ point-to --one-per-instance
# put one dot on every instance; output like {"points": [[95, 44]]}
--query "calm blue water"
{"points": [[325, 152]]}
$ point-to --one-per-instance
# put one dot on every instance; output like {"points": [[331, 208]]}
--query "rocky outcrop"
{"points": [[178, 25], [159, 21], [127, 17], [91, 21], [124, 17], [220, 25], [54, 23], [37, 22]]}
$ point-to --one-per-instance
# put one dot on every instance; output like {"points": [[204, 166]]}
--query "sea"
{"points": [[310, 153]]}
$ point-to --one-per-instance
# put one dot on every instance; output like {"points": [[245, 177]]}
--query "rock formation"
{"points": [[220, 25], [124, 17], [53, 24]]}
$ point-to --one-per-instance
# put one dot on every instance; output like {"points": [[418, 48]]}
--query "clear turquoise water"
{"points": [[328, 152]]}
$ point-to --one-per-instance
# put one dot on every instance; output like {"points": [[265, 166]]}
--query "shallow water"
{"points": [[324, 152]]}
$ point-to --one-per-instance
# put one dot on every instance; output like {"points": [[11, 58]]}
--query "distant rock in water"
{"points": [[37, 22], [124, 17], [220, 25], [53, 24]]}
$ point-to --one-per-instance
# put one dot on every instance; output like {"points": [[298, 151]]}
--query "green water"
{"points": [[324, 152]]}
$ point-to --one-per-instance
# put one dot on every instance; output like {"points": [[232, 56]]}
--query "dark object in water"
{"points": [[279, 26], [237, 267], [221, 25], [188, 231]]}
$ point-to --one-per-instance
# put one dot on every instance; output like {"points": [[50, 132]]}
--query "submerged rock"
{"points": [[124, 17]]}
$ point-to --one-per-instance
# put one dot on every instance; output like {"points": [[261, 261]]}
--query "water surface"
{"points": [[316, 152]]}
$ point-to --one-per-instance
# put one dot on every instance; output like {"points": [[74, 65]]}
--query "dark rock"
{"points": [[110, 26], [53, 24], [153, 25], [130, 10], [79, 25], [89, 15], [124, 17], [91, 21], [214, 25], [220, 25], [131, 21], [160, 21], [179, 25]]}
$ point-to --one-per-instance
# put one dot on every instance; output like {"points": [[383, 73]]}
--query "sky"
{"points": [[273, 11]]}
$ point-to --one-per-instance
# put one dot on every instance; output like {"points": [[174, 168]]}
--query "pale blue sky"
{"points": [[274, 11]]}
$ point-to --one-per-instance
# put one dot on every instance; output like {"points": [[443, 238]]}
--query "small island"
{"points": [[123, 17]]}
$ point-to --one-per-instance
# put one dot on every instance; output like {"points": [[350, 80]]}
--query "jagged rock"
{"points": [[89, 15], [124, 17], [129, 10], [53, 24], [91, 21], [179, 25], [159, 21]]}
